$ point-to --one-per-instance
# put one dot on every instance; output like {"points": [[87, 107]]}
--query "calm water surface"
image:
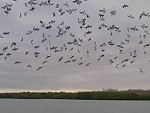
{"points": [[73, 106]]}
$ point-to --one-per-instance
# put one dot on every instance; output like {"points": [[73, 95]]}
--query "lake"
{"points": [[72, 106]]}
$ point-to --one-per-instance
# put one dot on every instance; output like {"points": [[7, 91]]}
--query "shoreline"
{"points": [[84, 95]]}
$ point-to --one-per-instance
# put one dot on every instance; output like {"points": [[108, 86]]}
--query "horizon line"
{"points": [[66, 90]]}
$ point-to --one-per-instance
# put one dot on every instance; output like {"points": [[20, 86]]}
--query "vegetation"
{"points": [[94, 95]]}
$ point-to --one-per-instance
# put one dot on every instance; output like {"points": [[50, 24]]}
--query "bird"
{"points": [[72, 57], [22, 39], [141, 70], [87, 64], [81, 63], [5, 48], [117, 65], [125, 6], [39, 68], [15, 49], [67, 61], [29, 66], [1, 54], [54, 14], [73, 60], [48, 56], [60, 59], [17, 62], [25, 14], [44, 62], [20, 15], [102, 10], [13, 44], [123, 65], [113, 12], [6, 33], [130, 16]]}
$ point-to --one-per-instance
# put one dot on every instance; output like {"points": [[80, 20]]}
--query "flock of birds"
{"points": [[67, 44]]}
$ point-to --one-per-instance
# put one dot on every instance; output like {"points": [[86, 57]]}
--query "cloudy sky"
{"points": [[86, 56]]}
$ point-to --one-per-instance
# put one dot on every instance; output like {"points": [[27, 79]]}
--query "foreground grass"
{"points": [[93, 95]]}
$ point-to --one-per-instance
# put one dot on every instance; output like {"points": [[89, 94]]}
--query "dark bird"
{"points": [[125, 6], [5, 48], [48, 56], [66, 4], [125, 60], [123, 65], [54, 14], [1, 54], [39, 68], [117, 65], [132, 62], [78, 2], [17, 62], [44, 62], [29, 66], [13, 44], [20, 15], [101, 15], [27, 52], [81, 63], [88, 26], [15, 49], [134, 28], [57, 5], [102, 10], [60, 59], [87, 64], [32, 42], [144, 26], [67, 61], [22, 39], [1, 36], [8, 54], [25, 14], [113, 12], [36, 47], [35, 29], [6, 33], [111, 61], [141, 70], [71, 57], [73, 60], [130, 16], [32, 9], [43, 40], [6, 12], [48, 27], [88, 32], [87, 52], [98, 59]]}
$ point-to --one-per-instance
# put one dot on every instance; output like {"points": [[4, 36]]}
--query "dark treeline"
{"points": [[94, 95]]}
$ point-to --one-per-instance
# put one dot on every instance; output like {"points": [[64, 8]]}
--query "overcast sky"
{"points": [[84, 64]]}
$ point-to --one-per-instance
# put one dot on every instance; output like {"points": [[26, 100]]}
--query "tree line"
{"points": [[93, 95]]}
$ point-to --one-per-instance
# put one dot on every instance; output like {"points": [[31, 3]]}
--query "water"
{"points": [[73, 106]]}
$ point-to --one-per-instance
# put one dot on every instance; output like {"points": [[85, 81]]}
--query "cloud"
{"points": [[71, 76]]}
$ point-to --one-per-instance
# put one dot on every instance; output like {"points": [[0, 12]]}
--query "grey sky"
{"points": [[71, 76]]}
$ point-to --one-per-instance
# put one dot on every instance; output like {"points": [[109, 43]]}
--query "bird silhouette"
{"points": [[125, 6], [39, 68]]}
